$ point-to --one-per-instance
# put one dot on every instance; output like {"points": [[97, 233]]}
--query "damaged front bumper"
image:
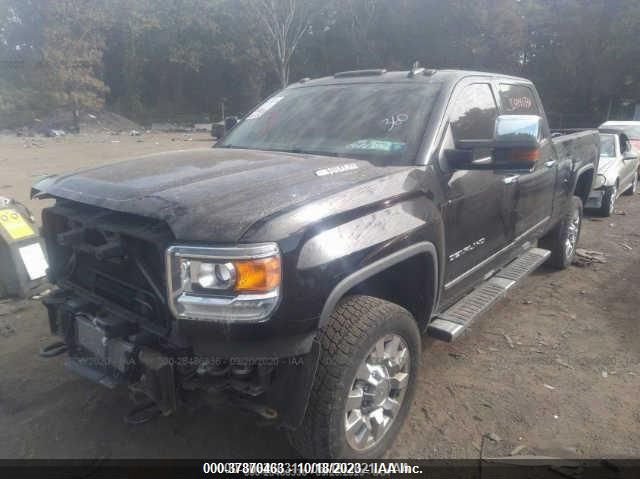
{"points": [[595, 199], [109, 349]]}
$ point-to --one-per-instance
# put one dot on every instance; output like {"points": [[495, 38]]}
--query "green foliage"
{"points": [[155, 59]]}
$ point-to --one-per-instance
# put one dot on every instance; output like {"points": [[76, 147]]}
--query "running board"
{"points": [[450, 324]]}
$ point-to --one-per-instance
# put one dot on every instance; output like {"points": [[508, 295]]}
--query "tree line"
{"points": [[158, 59]]}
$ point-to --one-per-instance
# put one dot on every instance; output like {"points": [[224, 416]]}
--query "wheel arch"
{"points": [[420, 258], [584, 183]]}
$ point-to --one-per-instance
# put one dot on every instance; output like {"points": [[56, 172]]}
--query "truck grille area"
{"points": [[115, 257]]}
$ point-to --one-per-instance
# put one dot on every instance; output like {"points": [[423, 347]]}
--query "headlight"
{"points": [[223, 284]]}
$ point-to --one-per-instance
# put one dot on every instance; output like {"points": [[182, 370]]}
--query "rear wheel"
{"points": [[634, 186], [365, 381], [562, 241]]}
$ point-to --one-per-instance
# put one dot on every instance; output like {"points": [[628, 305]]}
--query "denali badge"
{"points": [[467, 249], [337, 169]]}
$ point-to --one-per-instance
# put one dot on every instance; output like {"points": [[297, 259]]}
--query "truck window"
{"points": [[474, 113], [518, 100]]}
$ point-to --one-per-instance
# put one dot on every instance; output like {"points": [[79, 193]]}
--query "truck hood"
{"points": [[214, 194]]}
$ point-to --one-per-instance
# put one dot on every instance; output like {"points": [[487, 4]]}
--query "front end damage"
{"points": [[111, 309]]}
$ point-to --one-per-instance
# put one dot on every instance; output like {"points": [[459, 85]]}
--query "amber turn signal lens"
{"points": [[257, 275], [524, 155]]}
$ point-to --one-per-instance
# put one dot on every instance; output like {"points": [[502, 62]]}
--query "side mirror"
{"points": [[515, 145], [518, 132], [629, 156], [459, 159]]}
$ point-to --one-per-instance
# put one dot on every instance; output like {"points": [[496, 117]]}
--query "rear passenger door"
{"points": [[535, 189]]}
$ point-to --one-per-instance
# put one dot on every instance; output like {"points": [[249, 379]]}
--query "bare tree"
{"points": [[362, 14], [285, 22]]}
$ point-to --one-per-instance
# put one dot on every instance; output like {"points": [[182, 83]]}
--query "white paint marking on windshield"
{"points": [[395, 121]]}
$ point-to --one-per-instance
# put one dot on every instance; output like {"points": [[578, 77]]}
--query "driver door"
{"points": [[478, 211]]}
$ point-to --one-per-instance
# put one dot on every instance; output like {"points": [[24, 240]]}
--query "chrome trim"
{"points": [[550, 163], [240, 252], [253, 251], [510, 179], [453, 330], [470, 271]]}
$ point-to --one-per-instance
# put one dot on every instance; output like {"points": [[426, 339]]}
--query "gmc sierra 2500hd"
{"points": [[296, 264]]}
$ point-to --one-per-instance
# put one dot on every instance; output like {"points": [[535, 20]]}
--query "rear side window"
{"points": [[474, 113], [518, 100]]}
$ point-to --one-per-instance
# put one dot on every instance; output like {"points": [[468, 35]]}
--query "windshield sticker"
{"points": [[337, 169], [395, 121], [265, 107], [377, 145]]}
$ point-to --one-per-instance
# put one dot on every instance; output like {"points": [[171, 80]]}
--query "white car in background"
{"points": [[617, 172], [629, 128]]}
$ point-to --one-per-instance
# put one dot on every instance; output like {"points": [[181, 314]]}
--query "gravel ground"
{"points": [[553, 370]]}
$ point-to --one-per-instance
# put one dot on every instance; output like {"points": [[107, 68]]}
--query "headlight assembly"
{"points": [[240, 283], [600, 181]]}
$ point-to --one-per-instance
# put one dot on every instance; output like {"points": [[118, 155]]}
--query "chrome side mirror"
{"points": [[518, 131]]}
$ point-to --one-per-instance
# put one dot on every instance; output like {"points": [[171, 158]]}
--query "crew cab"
{"points": [[294, 266], [617, 172]]}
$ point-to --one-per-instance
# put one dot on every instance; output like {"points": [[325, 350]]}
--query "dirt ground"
{"points": [[553, 370]]}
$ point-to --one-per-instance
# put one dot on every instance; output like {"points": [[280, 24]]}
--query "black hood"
{"points": [[211, 194]]}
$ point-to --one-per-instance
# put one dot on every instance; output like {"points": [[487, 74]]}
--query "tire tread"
{"points": [[349, 325]]}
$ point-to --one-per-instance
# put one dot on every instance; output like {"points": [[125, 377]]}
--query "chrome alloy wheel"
{"points": [[573, 230], [377, 392], [613, 198]]}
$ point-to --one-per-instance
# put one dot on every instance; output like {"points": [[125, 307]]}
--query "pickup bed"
{"points": [[293, 267]]}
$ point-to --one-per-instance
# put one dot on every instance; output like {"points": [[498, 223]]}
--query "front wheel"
{"points": [[609, 201], [365, 382], [562, 241]]}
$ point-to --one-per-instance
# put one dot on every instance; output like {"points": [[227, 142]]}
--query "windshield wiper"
{"points": [[300, 151]]}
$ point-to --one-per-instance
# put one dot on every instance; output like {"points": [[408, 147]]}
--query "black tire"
{"points": [[633, 187], [556, 239], [608, 201], [356, 325]]}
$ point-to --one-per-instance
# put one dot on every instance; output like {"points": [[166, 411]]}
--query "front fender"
{"points": [[376, 267]]}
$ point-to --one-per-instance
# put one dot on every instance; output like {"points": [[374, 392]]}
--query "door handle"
{"points": [[510, 179], [550, 163]]}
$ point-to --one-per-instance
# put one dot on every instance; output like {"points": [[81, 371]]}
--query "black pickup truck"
{"points": [[294, 267]]}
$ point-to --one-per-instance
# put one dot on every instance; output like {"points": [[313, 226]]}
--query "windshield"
{"points": [[379, 122], [607, 145], [632, 131]]}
